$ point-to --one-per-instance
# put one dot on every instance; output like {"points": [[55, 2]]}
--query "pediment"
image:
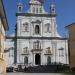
{"points": [[37, 21]]}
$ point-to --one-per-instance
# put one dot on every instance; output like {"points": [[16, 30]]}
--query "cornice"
{"points": [[41, 38], [36, 15]]}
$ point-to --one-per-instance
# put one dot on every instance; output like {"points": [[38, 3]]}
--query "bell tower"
{"points": [[52, 8], [20, 6], [36, 6]]}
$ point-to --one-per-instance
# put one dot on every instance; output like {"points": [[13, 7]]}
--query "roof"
{"points": [[3, 16], [36, 15], [72, 24]]}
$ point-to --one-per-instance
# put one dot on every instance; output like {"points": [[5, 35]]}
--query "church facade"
{"points": [[36, 40]]}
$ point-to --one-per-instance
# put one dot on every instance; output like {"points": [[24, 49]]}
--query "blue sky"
{"points": [[65, 10]]}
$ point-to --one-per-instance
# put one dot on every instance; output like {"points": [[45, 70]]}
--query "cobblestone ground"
{"points": [[33, 74]]}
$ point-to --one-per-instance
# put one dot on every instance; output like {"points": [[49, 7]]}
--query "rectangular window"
{"points": [[61, 52], [25, 50], [25, 27], [11, 52], [36, 10], [47, 27], [40, 10], [36, 45], [33, 9]]}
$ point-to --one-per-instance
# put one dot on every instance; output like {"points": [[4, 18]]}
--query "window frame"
{"points": [[37, 31], [25, 27], [48, 29]]}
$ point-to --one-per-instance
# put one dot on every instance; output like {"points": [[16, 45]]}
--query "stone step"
{"points": [[41, 69]]}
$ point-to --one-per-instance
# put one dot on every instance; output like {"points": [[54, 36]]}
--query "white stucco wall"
{"points": [[27, 38]]}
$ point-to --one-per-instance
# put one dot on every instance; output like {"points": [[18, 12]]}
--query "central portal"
{"points": [[37, 59]]}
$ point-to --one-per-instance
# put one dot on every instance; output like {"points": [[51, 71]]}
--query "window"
{"points": [[33, 9], [26, 60], [61, 52], [37, 29], [48, 60], [47, 27], [11, 52], [36, 10], [48, 50], [25, 27], [20, 9], [25, 50], [37, 45], [40, 10]]}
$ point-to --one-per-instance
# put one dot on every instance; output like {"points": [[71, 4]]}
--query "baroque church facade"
{"points": [[36, 40]]}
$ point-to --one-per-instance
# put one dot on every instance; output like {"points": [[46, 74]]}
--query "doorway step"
{"points": [[41, 69]]}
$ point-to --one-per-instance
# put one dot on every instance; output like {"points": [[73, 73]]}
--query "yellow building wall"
{"points": [[2, 47], [72, 46]]}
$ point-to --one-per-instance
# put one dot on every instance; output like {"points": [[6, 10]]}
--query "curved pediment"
{"points": [[37, 21]]}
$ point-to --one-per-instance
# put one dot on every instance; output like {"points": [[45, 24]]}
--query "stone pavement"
{"points": [[33, 74]]}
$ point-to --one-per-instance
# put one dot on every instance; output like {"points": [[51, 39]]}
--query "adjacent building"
{"points": [[71, 29], [3, 28], [36, 40]]}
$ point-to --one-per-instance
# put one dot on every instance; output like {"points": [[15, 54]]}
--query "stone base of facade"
{"points": [[2, 66]]}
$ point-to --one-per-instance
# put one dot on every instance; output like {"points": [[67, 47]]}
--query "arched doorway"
{"points": [[37, 59], [48, 60]]}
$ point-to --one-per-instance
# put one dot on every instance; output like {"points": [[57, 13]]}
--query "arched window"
{"points": [[37, 29], [26, 60], [48, 60], [19, 9]]}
